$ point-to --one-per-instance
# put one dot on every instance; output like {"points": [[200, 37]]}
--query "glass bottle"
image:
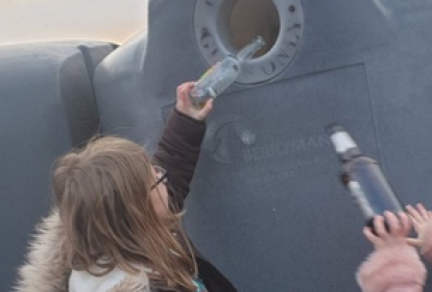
{"points": [[221, 75]]}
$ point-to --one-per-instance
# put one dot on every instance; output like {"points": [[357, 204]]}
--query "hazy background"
{"points": [[42, 20]]}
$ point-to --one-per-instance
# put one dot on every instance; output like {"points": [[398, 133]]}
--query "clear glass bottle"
{"points": [[363, 177], [221, 75]]}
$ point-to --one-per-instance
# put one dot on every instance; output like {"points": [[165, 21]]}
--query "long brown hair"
{"points": [[102, 193]]}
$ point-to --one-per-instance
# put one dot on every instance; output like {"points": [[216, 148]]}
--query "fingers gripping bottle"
{"points": [[221, 75], [362, 176]]}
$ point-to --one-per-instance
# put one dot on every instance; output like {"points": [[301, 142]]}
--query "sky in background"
{"points": [[44, 20]]}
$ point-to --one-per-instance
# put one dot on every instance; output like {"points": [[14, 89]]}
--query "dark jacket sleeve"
{"points": [[178, 152]]}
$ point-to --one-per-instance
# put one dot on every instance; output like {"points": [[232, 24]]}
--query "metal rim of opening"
{"points": [[212, 32]]}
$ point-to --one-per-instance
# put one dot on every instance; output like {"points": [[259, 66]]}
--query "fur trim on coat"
{"points": [[394, 268], [46, 270]]}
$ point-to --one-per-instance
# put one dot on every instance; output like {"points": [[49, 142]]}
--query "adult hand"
{"points": [[185, 106]]}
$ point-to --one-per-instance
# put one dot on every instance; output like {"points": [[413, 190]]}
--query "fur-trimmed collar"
{"points": [[45, 269]]}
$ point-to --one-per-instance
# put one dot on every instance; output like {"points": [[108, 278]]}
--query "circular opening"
{"points": [[254, 17]]}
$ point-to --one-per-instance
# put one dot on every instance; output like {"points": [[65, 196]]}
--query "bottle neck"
{"points": [[249, 50], [349, 154]]}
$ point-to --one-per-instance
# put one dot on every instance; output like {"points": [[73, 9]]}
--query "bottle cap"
{"points": [[342, 141], [334, 128]]}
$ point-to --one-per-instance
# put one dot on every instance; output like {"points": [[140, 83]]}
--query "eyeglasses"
{"points": [[161, 175]]}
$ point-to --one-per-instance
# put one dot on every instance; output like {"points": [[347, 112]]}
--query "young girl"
{"points": [[116, 224], [395, 265]]}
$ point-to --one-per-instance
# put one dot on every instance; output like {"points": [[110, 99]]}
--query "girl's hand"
{"points": [[398, 230], [419, 217], [184, 104]]}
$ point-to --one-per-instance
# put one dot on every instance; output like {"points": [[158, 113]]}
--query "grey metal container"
{"points": [[266, 205]]}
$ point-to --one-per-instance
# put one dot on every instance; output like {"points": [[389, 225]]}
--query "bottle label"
{"points": [[360, 199], [201, 91], [205, 77], [342, 142]]}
